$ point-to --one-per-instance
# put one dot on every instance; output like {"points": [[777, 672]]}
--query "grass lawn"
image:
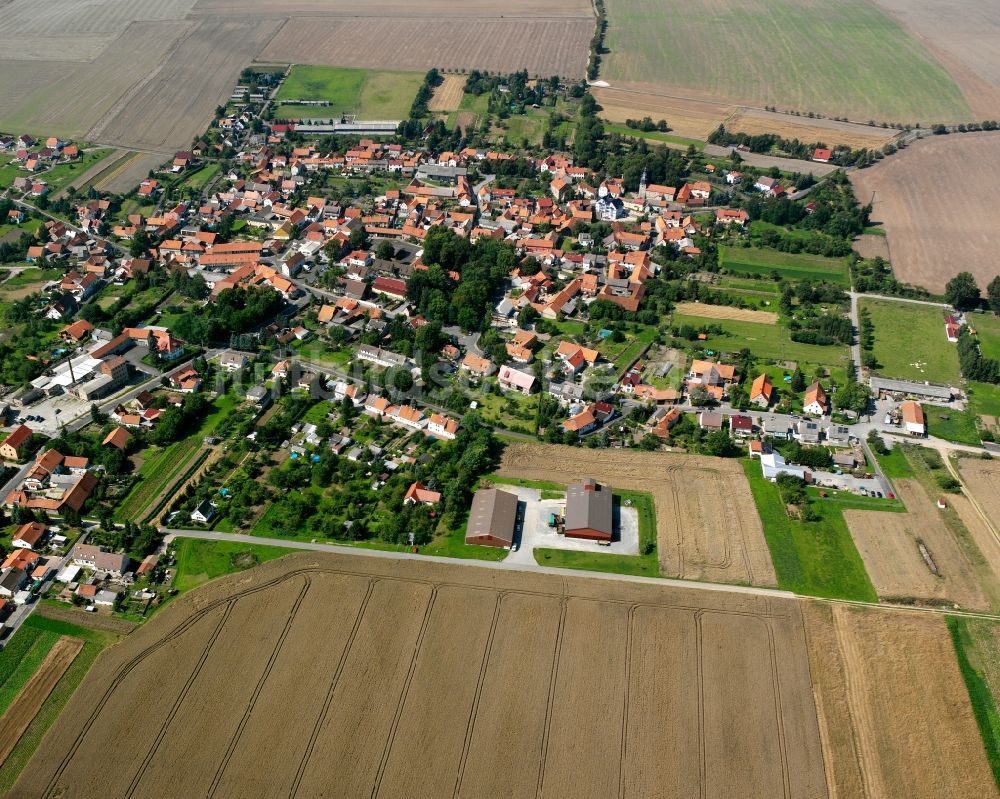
{"points": [[988, 330], [653, 136], [370, 94], [198, 180], [977, 648], [923, 353], [762, 261], [31, 275], [812, 558], [63, 175], [95, 641], [848, 58], [199, 561], [952, 425], [767, 341], [984, 399], [895, 465]]}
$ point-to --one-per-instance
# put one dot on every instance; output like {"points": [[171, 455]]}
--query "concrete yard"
{"points": [[534, 531]]}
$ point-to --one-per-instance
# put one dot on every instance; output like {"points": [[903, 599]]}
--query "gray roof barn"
{"points": [[589, 510], [492, 518]]}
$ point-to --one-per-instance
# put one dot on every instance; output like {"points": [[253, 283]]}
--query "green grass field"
{"points": [[988, 329], [199, 561], [813, 558], [841, 59], [39, 626], [952, 425], [984, 399], [370, 94], [63, 175], [654, 136], [923, 353], [759, 261], [895, 465], [977, 648], [767, 341]]}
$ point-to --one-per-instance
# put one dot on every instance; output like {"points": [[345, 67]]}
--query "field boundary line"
{"points": [[474, 711], [311, 744], [553, 675], [623, 755], [779, 715], [387, 749], [265, 674], [699, 666]]}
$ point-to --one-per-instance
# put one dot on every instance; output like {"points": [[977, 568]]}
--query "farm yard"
{"points": [[846, 59], [894, 715], [707, 524], [907, 190], [369, 94], [236, 646]]}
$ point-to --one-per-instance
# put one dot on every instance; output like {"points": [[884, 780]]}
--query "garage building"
{"points": [[492, 518], [589, 511]]}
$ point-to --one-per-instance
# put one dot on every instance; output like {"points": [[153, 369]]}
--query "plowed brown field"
{"points": [[706, 520], [888, 543], [894, 714], [329, 675], [544, 47], [907, 189]]}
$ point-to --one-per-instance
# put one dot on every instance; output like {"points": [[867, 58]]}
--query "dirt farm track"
{"points": [[328, 675]]}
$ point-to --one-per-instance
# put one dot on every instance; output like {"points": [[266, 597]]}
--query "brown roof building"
{"points": [[492, 519]]}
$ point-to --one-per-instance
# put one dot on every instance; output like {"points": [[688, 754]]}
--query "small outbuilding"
{"points": [[492, 519]]}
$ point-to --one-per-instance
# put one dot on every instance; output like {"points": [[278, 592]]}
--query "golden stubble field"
{"points": [[894, 714], [726, 312], [329, 675], [706, 520], [889, 544]]}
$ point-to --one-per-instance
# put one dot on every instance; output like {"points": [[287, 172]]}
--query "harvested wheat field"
{"points": [[332, 675], [686, 116], [448, 95], [894, 713], [828, 131], [945, 570], [908, 187], [706, 521], [35, 691], [554, 46], [726, 312], [982, 479]]}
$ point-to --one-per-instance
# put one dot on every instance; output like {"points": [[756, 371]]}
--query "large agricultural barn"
{"points": [[492, 518], [589, 511]]}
